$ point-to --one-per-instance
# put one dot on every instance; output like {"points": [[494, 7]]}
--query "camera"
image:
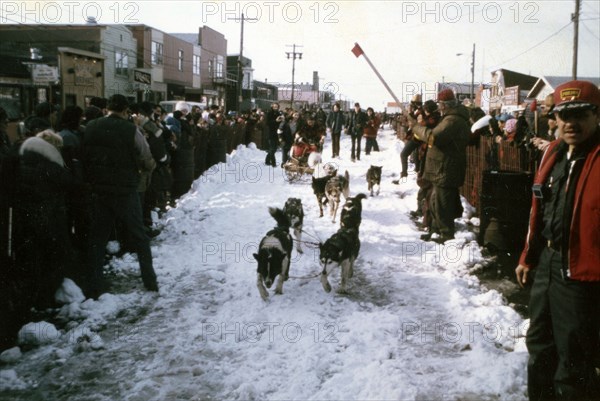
{"points": [[538, 191]]}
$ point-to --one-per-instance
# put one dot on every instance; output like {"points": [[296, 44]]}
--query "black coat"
{"points": [[109, 156], [183, 160], [41, 236], [335, 121]]}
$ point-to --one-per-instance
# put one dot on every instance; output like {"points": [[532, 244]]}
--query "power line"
{"points": [[534, 46], [590, 31]]}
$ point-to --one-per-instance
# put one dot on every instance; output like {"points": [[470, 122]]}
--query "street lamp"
{"points": [[472, 94]]}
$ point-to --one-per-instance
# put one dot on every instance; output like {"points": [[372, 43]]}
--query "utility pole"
{"points": [[473, 76], [575, 19], [472, 94], [240, 69], [293, 55]]}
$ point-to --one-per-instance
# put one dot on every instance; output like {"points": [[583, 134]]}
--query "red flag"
{"points": [[533, 106], [357, 50]]}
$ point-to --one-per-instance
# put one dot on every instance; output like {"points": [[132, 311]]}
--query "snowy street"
{"points": [[415, 325]]}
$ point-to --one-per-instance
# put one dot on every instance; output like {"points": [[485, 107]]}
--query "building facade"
{"points": [[213, 67], [61, 64], [169, 62]]}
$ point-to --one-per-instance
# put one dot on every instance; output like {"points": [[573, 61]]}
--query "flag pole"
{"points": [[358, 51]]}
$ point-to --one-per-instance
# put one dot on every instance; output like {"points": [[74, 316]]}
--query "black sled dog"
{"points": [[341, 249], [351, 215], [295, 214], [274, 255]]}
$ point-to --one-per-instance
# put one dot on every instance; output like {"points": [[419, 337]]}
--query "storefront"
{"points": [[82, 76]]}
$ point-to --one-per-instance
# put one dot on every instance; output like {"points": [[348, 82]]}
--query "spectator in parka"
{"points": [[370, 131], [114, 151], [335, 122], [430, 119], [563, 248], [42, 245], [356, 125], [446, 163]]}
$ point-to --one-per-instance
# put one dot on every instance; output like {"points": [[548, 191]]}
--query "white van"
{"points": [[169, 105]]}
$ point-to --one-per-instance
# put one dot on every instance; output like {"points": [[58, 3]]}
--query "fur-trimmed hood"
{"points": [[43, 148]]}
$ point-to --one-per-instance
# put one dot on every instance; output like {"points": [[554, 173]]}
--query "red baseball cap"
{"points": [[575, 95]]}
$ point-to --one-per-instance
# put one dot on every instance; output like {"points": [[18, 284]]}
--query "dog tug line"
{"points": [[341, 249]]}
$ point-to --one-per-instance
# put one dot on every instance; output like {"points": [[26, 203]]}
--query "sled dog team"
{"points": [[341, 249]]}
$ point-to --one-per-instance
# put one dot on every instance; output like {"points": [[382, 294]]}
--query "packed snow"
{"points": [[416, 323]]}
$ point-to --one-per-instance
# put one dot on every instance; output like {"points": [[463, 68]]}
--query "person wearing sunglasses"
{"points": [[563, 249]]}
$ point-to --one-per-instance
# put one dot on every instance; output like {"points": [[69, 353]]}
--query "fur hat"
{"points": [[576, 95], [44, 145]]}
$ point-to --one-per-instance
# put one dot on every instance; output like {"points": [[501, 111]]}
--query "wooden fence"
{"points": [[498, 185]]}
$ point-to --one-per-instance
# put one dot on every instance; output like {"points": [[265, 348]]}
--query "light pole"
{"points": [[472, 94], [293, 55]]}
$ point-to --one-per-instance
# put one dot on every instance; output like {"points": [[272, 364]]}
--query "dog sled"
{"points": [[303, 158]]}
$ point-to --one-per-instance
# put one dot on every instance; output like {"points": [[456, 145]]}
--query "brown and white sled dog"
{"points": [[341, 249], [374, 178], [334, 189], [274, 255], [295, 214]]}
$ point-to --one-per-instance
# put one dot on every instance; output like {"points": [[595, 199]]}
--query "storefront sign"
{"points": [[511, 96], [44, 74], [84, 74], [143, 77]]}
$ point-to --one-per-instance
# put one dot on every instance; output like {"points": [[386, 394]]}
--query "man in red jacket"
{"points": [[563, 245]]}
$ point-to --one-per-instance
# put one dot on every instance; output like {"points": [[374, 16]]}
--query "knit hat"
{"points": [[575, 95], [511, 126], [446, 95]]}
